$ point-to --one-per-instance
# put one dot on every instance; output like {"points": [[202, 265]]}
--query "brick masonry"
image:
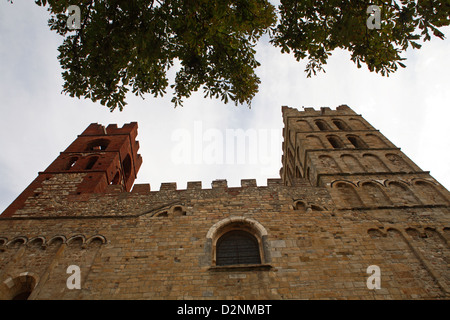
{"points": [[319, 227]]}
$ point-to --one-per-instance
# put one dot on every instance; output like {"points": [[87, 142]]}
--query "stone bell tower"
{"points": [[338, 149]]}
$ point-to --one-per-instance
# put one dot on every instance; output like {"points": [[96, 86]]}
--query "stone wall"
{"points": [[159, 245]]}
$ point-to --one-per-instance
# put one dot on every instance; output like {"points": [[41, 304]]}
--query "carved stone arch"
{"points": [[375, 141], [399, 163], [401, 249], [71, 161], [59, 238], [429, 192], [161, 214], [377, 182], [357, 141], [357, 124], [178, 210], [255, 225], [240, 223], [17, 241], [329, 162], [373, 163], [335, 141], [37, 242], [94, 238], [303, 125], [300, 205], [18, 286], [432, 232], [322, 125], [375, 233], [347, 195], [404, 183], [413, 232], [374, 193], [3, 241], [76, 240], [352, 163], [334, 182], [314, 142], [432, 250], [315, 207], [401, 194], [90, 162], [394, 231], [341, 124]]}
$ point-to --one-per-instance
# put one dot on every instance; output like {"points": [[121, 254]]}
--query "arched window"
{"points": [[353, 165], [430, 194], [401, 194], [91, 163], [237, 240], [18, 288], [162, 214], [300, 206], [357, 124], [335, 142], [116, 179], [237, 247], [127, 167], [375, 141], [341, 125], [374, 164], [303, 125], [348, 195], [357, 142], [329, 163], [71, 163], [314, 142], [322, 125], [375, 195], [399, 163], [179, 211]]}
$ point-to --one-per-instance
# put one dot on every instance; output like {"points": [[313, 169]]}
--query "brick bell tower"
{"points": [[98, 158]]}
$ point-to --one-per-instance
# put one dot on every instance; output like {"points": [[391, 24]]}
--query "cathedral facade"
{"points": [[350, 217]]}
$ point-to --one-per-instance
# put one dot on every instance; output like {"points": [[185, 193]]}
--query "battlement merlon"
{"points": [[308, 111], [95, 129], [197, 185]]}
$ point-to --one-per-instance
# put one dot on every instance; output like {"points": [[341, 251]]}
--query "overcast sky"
{"points": [[37, 122]]}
